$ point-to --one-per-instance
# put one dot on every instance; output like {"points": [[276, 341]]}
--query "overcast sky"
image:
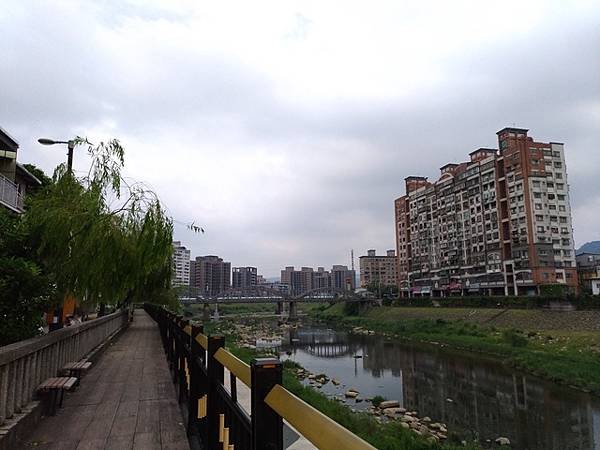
{"points": [[286, 129]]}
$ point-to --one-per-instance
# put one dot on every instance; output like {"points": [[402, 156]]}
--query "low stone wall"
{"points": [[26, 364]]}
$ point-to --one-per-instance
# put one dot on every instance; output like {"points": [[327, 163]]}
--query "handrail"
{"points": [[202, 340], [199, 375], [315, 426], [235, 365], [25, 364]]}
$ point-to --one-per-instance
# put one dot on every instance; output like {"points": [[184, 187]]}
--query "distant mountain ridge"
{"points": [[590, 247]]}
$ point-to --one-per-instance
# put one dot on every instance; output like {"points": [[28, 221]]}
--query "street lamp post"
{"points": [[70, 146]]}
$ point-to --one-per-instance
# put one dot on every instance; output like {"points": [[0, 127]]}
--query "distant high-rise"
{"points": [[192, 273], [343, 278], [307, 279], [499, 223], [181, 265], [243, 277], [378, 268], [213, 275]]}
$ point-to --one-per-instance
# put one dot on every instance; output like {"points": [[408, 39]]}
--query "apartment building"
{"points": [[306, 279], [213, 275], [343, 278], [588, 271], [243, 277], [378, 268], [181, 265], [14, 177], [299, 281], [499, 223]]}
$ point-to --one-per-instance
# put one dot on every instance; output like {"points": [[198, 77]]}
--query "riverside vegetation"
{"points": [[567, 357], [385, 434]]}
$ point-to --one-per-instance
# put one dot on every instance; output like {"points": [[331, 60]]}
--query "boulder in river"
{"points": [[391, 412], [503, 441], [389, 404]]}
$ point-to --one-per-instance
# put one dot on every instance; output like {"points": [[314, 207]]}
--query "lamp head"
{"points": [[45, 141]]}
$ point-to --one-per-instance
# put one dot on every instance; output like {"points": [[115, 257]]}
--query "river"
{"points": [[474, 396]]}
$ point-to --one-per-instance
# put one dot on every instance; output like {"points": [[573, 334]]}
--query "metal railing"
{"points": [[9, 193], [215, 420], [26, 364]]}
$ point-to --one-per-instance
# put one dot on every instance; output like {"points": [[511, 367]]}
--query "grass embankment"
{"points": [[383, 436], [566, 357]]}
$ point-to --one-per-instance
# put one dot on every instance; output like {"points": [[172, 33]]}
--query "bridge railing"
{"points": [[26, 364], [215, 418]]}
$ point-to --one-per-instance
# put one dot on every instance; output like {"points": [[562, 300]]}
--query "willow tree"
{"points": [[107, 240]]}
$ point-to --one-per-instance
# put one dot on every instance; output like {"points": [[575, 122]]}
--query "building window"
{"points": [[538, 206]]}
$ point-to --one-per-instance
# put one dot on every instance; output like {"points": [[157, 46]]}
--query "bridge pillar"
{"points": [[206, 312], [279, 309], [293, 312]]}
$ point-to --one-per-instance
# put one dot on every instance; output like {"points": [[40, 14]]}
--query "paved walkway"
{"points": [[126, 401]]}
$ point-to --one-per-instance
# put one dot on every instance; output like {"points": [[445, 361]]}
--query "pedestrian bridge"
{"points": [[157, 382]]}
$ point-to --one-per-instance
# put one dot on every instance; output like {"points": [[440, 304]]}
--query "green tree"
{"points": [[110, 241], [26, 290], [381, 290]]}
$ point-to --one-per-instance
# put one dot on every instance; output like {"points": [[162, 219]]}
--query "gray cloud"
{"points": [[277, 173]]}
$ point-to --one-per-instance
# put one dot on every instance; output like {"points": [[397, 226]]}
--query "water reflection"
{"points": [[475, 397]]}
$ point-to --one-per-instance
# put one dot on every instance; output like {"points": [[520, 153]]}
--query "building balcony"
{"points": [[10, 195]]}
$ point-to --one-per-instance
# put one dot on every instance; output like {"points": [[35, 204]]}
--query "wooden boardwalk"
{"points": [[126, 401]]}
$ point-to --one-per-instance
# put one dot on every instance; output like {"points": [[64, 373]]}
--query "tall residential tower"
{"points": [[499, 223], [180, 265]]}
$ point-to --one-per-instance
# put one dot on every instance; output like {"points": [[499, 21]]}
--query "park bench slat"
{"points": [[80, 365], [69, 383], [54, 389]]}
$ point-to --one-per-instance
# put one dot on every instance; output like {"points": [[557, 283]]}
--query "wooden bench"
{"points": [[76, 369], [54, 389]]}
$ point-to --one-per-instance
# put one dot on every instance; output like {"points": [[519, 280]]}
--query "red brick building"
{"points": [[499, 223]]}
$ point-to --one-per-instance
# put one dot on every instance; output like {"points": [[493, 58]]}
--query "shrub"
{"points": [[377, 400], [352, 308], [514, 338]]}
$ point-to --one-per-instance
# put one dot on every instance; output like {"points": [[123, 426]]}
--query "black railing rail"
{"points": [[214, 418]]}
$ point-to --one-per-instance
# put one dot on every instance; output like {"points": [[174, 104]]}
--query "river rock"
{"points": [[389, 404], [404, 425], [503, 441], [335, 382], [390, 412], [351, 394]]}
